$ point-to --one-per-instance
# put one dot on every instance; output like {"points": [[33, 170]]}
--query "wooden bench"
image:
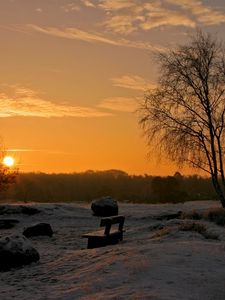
{"points": [[107, 236]]}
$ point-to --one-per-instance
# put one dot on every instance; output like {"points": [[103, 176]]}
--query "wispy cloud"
{"points": [[20, 150], [110, 5], [133, 16], [77, 34], [39, 10], [123, 104], [159, 16], [48, 151], [88, 3], [78, 5], [133, 82], [72, 33], [204, 14], [27, 103], [125, 17], [123, 24], [71, 7]]}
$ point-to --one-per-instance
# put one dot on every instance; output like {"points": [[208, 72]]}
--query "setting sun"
{"points": [[8, 161]]}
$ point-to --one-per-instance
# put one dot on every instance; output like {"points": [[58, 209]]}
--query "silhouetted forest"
{"points": [[89, 185]]}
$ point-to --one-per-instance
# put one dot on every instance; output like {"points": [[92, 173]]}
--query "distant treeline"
{"points": [[89, 185]]}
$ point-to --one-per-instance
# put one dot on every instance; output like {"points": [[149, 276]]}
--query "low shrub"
{"points": [[196, 227], [216, 215], [194, 215], [199, 228], [163, 232]]}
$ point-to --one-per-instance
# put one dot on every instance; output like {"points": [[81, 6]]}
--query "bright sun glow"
{"points": [[8, 161]]}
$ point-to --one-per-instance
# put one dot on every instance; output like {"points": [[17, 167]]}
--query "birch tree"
{"points": [[184, 115]]}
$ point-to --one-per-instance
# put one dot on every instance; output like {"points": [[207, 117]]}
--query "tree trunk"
{"points": [[218, 190]]}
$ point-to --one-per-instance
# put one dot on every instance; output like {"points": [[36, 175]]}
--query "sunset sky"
{"points": [[73, 71]]}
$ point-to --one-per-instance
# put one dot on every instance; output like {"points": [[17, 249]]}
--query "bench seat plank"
{"points": [[94, 233], [101, 233]]}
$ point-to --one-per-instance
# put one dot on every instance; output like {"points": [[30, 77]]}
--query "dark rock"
{"points": [[104, 207], [7, 223], [28, 210], [18, 209], [38, 229], [16, 251]]}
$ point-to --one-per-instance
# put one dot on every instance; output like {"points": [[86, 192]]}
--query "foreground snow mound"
{"points": [[104, 207], [16, 251], [162, 256]]}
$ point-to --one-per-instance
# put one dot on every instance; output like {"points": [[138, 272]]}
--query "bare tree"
{"points": [[185, 114], [7, 177]]}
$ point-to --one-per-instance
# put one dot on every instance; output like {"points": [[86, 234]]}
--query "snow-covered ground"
{"points": [[151, 263]]}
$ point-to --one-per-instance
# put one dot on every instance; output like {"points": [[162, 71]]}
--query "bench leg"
{"points": [[94, 242]]}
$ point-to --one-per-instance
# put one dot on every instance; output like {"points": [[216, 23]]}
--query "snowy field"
{"points": [[155, 261]]}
